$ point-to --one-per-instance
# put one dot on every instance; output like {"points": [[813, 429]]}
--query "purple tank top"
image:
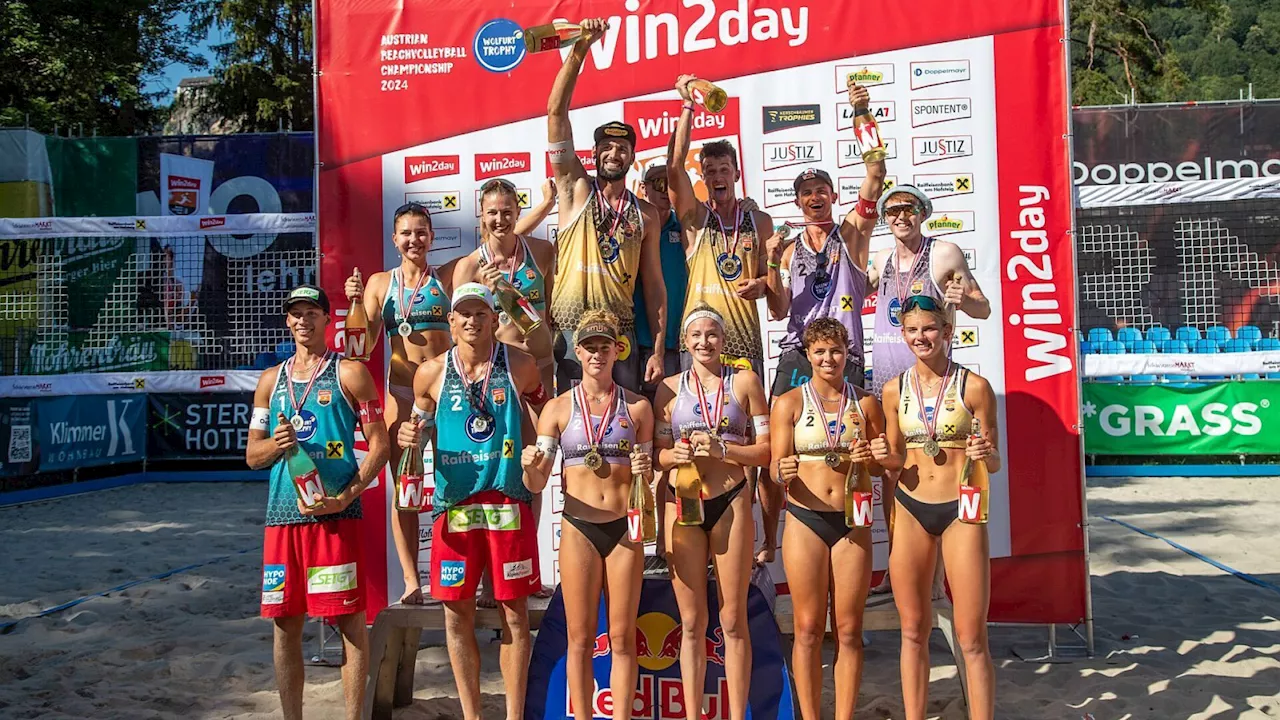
{"points": [[890, 356], [826, 284], [619, 438], [688, 414]]}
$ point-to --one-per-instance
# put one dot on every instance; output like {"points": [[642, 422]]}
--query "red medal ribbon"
{"points": [[595, 435]]}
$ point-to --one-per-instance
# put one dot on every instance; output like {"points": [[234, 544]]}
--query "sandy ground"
{"points": [[1176, 637]]}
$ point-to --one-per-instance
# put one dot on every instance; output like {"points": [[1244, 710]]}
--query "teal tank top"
{"points": [[675, 274], [327, 435], [429, 307], [478, 440], [527, 278]]}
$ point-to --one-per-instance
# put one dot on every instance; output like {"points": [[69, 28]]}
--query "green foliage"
{"points": [[264, 71], [70, 62], [1176, 51]]}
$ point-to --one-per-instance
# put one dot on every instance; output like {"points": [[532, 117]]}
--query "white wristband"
{"points": [[662, 429], [645, 447], [760, 423], [427, 417], [558, 152], [548, 445], [260, 419]]}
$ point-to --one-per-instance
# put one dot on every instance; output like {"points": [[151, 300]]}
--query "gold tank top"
{"points": [[714, 272], [597, 261], [954, 421], [811, 440]]}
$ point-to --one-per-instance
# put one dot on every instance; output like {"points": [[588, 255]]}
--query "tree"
{"points": [[264, 71], [72, 62]]}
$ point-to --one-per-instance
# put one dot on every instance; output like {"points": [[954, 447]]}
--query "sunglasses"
{"points": [[497, 183], [909, 209], [657, 182], [415, 207], [924, 302]]}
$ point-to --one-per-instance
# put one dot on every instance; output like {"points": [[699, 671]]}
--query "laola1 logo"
{"points": [[1215, 419]]}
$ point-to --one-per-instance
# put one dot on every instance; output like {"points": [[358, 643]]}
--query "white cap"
{"points": [[471, 291]]}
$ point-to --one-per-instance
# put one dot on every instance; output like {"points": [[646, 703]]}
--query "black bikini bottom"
{"points": [[713, 508], [604, 536], [826, 524], [935, 518]]}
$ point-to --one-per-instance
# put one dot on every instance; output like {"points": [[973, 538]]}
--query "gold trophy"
{"points": [[975, 486], [552, 36], [706, 94]]}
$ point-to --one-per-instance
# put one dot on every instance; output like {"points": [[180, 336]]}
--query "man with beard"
{"points": [[608, 237]]}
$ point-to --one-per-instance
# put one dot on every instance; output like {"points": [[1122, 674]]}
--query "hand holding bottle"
{"points": [[284, 434]]}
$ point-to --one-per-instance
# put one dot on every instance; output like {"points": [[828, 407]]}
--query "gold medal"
{"points": [[593, 460], [730, 266]]}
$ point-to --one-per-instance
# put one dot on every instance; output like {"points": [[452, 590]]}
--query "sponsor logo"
{"points": [[848, 187], [324, 397], [655, 120], [1205, 168], [212, 222], [778, 192], [966, 336], [421, 167], [1213, 419], [938, 72], [783, 117], [453, 573], [941, 147], [586, 157], [115, 433], [41, 387], [499, 45], [849, 152], [331, 578], [953, 221], [883, 112], [523, 196], [208, 381], [490, 165], [447, 238], [661, 634], [141, 223], [939, 110], [183, 194], [945, 184], [334, 450], [309, 425], [273, 577], [517, 570], [780, 155], [32, 225], [864, 75], [484, 516], [442, 201]]}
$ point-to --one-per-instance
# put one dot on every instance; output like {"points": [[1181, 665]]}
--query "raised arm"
{"points": [[688, 209], [861, 218], [566, 167], [531, 220]]}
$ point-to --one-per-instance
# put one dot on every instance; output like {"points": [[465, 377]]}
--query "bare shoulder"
{"points": [[763, 221], [558, 406], [519, 360], [880, 258], [889, 394], [976, 383], [748, 378], [541, 248], [378, 283], [649, 211], [788, 400], [267, 380]]}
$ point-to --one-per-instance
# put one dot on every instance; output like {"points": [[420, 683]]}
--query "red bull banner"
{"points": [[423, 101], [659, 693]]}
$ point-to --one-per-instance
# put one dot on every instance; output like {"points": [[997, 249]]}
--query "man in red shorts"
{"points": [[474, 401], [311, 403]]}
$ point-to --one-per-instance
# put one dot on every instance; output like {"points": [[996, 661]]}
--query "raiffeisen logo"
{"points": [[1205, 168]]}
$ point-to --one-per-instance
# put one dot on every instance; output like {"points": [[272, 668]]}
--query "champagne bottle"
{"points": [[706, 94], [516, 306], [867, 133], [552, 36], [857, 493], [975, 486], [411, 490], [356, 330], [642, 516], [304, 474], [688, 492]]}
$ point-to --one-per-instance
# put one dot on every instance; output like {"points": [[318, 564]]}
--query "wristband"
{"points": [[687, 106], [557, 151], [760, 423], [427, 418], [537, 396], [865, 208], [370, 411], [548, 445], [662, 428], [260, 420], [645, 447], [773, 264]]}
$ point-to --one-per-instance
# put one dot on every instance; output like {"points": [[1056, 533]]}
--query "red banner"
{"points": [[427, 100]]}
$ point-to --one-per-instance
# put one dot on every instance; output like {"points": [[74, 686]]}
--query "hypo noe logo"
{"points": [[499, 45]]}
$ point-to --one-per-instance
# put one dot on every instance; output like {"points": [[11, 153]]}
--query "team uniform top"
{"points": [[825, 284], [526, 278], [890, 354], [689, 413], [478, 431], [713, 274], [327, 435], [675, 273], [954, 422], [617, 443], [428, 308], [810, 437], [597, 262]]}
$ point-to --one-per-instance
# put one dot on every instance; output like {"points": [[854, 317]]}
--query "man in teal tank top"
{"points": [[675, 275], [473, 402], [311, 552]]}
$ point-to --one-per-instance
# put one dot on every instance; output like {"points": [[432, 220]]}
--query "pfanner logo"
{"points": [[955, 221], [212, 222], [421, 167], [864, 75], [490, 165]]}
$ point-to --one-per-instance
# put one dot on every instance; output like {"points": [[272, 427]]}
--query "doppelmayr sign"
{"points": [[1206, 168]]}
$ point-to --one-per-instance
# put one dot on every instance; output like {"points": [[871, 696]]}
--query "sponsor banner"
{"points": [[938, 72], [850, 186], [523, 199], [785, 117], [443, 201], [423, 167], [655, 120], [89, 352], [1259, 362], [800, 152], [944, 184], [779, 192], [492, 165], [108, 383], [198, 425], [849, 152], [87, 430], [940, 110], [659, 634], [156, 226], [1172, 193], [942, 147], [1220, 419], [883, 111], [185, 185], [864, 75], [21, 456], [947, 223]]}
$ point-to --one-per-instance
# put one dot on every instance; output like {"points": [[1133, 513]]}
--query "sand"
{"points": [[1176, 637]]}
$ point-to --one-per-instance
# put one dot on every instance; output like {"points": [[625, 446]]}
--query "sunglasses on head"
{"points": [[657, 182], [411, 207], [909, 209], [496, 183], [924, 302]]}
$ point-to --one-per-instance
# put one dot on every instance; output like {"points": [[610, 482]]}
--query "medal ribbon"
{"points": [[595, 435], [833, 438], [901, 290], [618, 212], [712, 420], [516, 259], [406, 305], [466, 378], [315, 375], [930, 425], [737, 227]]}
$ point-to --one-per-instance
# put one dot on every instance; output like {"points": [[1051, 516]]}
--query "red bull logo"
{"points": [[657, 698], [658, 631]]}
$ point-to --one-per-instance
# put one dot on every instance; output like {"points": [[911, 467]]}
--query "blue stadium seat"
{"points": [[1249, 332], [1144, 379], [1158, 334], [1187, 334], [1177, 378], [1273, 376], [1143, 347], [1108, 379], [1237, 346], [1174, 346], [1087, 347], [1251, 376], [1128, 336], [1267, 344], [1212, 378], [1113, 347], [1205, 346], [1100, 335], [1218, 334]]}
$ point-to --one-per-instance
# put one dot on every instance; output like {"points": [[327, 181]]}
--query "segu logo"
{"points": [[499, 45], [1215, 419]]}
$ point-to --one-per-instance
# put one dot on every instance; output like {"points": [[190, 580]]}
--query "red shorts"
{"points": [[488, 529], [311, 568]]}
